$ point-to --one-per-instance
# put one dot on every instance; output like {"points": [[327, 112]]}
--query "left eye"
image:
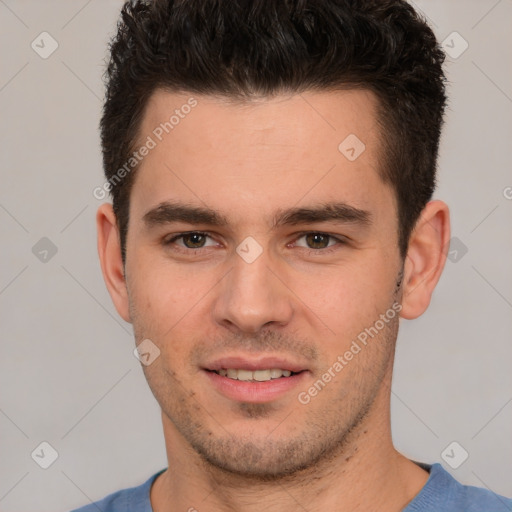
{"points": [[316, 241], [194, 240]]}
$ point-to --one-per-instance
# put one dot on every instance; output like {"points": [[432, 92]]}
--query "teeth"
{"points": [[261, 375], [258, 375], [244, 375]]}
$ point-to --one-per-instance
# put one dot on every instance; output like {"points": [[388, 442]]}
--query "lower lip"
{"points": [[255, 392]]}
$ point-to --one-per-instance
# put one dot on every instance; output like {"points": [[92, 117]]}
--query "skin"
{"points": [[304, 302]]}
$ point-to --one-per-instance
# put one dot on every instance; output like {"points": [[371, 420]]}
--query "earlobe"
{"points": [[109, 250], [425, 260]]}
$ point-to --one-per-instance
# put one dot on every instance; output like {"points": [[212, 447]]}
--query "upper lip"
{"points": [[254, 364]]}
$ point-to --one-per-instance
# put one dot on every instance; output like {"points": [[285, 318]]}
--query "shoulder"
{"points": [[477, 499], [483, 500], [134, 499], [442, 493]]}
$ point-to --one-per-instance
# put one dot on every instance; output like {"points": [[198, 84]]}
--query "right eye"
{"points": [[191, 240]]}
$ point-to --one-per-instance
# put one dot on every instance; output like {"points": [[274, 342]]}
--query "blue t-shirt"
{"points": [[441, 493]]}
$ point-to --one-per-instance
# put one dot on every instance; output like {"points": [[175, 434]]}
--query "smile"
{"points": [[257, 376]]}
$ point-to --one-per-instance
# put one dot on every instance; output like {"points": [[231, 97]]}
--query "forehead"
{"points": [[314, 146], [296, 119]]}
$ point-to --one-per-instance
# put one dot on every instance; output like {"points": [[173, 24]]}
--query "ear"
{"points": [[426, 256], [109, 249]]}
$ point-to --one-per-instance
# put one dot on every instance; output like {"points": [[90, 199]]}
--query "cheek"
{"points": [[163, 292], [347, 294], [349, 302]]}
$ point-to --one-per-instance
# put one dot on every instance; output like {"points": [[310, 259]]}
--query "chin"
{"points": [[265, 461]]}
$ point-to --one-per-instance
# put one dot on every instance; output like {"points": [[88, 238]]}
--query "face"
{"points": [[262, 261]]}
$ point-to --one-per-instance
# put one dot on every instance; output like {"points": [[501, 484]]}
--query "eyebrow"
{"points": [[168, 212], [339, 212]]}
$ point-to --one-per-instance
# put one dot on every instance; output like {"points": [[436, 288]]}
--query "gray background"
{"points": [[67, 372]]}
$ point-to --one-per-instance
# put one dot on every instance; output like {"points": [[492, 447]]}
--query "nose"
{"points": [[253, 296]]}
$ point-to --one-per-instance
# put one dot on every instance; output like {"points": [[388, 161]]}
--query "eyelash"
{"points": [[170, 241], [339, 239], [328, 250]]}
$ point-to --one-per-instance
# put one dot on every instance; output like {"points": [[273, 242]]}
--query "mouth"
{"points": [[255, 376], [258, 381]]}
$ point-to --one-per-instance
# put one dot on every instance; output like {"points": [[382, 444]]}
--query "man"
{"points": [[272, 166]]}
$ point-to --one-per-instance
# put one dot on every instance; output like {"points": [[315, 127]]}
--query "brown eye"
{"points": [[317, 240], [194, 240]]}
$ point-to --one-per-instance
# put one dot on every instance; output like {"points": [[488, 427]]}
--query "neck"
{"points": [[365, 473]]}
